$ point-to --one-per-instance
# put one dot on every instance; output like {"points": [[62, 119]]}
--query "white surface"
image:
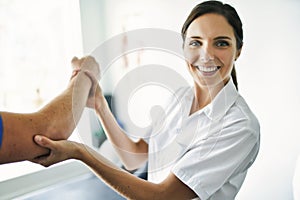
{"points": [[22, 185]]}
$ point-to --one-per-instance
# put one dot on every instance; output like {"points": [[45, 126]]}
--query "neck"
{"points": [[203, 96]]}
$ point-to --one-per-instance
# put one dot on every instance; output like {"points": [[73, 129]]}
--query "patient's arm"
{"points": [[56, 120]]}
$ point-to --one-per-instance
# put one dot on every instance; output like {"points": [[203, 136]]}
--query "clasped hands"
{"points": [[91, 69]]}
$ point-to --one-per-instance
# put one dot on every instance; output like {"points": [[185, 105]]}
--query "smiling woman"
{"points": [[38, 40]]}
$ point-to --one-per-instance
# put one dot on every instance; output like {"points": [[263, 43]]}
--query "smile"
{"points": [[208, 69]]}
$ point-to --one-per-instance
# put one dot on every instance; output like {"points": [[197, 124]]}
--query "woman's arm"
{"points": [[133, 154], [56, 120], [126, 184]]}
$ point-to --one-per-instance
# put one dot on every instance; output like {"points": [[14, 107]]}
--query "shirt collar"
{"points": [[222, 102]]}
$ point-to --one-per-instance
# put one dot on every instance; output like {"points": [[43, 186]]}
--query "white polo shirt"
{"points": [[210, 150]]}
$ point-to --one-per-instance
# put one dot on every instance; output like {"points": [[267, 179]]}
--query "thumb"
{"points": [[91, 76], [76, 62], [43, 141], [74, 73], [74, 59]]}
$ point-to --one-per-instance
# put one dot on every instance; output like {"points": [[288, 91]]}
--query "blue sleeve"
{"points": [[1, 131]]}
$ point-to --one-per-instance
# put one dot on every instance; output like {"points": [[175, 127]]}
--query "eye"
{"points": [[222, 43], [194, 43]]}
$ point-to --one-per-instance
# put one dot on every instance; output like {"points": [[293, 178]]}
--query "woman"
{"points": [[207, 141]]}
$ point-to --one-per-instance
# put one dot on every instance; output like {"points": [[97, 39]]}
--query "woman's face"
{"points": [[210, 50]]}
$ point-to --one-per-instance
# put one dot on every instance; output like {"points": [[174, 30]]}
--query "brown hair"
{"points": [[226, 11]]}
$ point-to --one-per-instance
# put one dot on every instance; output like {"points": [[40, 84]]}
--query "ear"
{"points": [[238, 53]]}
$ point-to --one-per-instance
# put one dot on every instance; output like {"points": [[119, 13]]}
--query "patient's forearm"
{"points": [[64, 112]]}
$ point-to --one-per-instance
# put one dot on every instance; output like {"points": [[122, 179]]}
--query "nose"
{"points": [[206, 54]]}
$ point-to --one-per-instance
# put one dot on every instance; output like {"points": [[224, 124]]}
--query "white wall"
{"points": [[37, 42], [267, 73]]}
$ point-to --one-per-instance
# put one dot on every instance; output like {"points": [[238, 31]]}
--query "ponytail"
{"points": [[233, 75]]}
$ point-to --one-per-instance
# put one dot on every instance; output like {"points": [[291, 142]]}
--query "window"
{"points": [[38, 40]]}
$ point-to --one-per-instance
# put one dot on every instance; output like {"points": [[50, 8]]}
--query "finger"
{"points": [[76, 70], [74, 73], [90, 58], [76, 62], [94, 81], [42, 160], [91, 76], [74, 59], [44, 141]]}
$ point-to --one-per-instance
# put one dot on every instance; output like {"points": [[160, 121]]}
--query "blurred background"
{"points": [[38, 39]]}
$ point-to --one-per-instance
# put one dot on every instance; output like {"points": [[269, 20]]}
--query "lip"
{"points": [[208, 70]]}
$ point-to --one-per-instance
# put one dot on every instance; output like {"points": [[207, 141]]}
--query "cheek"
{"points": [[227, 58], [190, 55]]}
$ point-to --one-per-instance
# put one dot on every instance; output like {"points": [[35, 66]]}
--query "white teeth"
{"points": [[207, 69]]}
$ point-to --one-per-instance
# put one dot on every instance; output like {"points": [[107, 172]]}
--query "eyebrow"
{"points": [[217, 38]]}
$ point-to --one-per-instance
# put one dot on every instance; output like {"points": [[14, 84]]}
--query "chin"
{"points": [[210, 82]]}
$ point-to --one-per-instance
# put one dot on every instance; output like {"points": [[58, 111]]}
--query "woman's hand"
{"points": [[90, 67], [95, 98], [86, 63], [58, 150]]}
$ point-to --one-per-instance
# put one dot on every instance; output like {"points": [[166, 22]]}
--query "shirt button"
{"points": [[178, 130]]}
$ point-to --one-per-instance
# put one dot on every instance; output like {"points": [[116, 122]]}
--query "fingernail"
{"points": [[38, 138]]}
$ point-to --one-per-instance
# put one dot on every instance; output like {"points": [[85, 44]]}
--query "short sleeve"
{"points": [[1, 131], [212, 163]]}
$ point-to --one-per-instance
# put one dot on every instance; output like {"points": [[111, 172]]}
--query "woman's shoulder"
{"points": [[243, 114]]}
